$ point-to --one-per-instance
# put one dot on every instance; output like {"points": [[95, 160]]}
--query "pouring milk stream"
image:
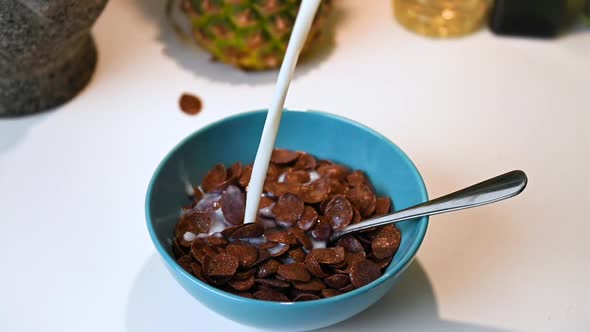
{"points": [[301, 29]]}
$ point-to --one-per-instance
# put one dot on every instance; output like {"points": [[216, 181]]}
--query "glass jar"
{"points": [[441, 18]]}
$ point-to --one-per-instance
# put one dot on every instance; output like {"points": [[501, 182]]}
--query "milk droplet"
{"points": [[287, 260], [284, 224], [208, 202], [189, 236], [313, 175], [318, 244], [276, 249], [189, 189], [218, 222], [267, 211], [282, 177], [255, 240]]}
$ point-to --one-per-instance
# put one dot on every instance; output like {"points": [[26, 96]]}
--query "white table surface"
{"points": [[75, 253]]}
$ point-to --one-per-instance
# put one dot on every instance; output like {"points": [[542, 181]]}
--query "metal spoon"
{"points": [[489, 191]]}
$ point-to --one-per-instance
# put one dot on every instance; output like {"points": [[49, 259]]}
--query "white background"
{"points": [[75, 254]]}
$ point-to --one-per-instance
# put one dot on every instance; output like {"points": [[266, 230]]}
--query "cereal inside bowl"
{"points": [[284, 255]]}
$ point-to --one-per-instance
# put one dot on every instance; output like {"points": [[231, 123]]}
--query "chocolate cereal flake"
{"points": [[194, 222], [301, 237], [350, 244], [296, 176], [306, 297], [263, 255], [198, 271], [236, 170], [308, 219], [245, 231], [228, 231], [242, 285], [245, 176], [297, 255], [268, 268], [363, 199], [200, 220], [347, 288], [381, 263], [273, 282], [215, 178], [329, 292], [322, 230], [340, 271], [246, 253], [280, 236], [337, 281], [337, 187], [382, 206], [314, 285], [197, 249], [185, 262], [356, 216], [314, 267], [210, 251], [364, 272], [340, 266], [270, 295], [283, 156], [357, 178], [279, 189], [333, 171], [328, 255], [177, 249], [352, 258], [190, 104], [306, 161], [289, 208], [386, 242], [233, 203], [216, 240], [315, 191], [222, 265], [294, 272], [243, 275], [339, 212]]}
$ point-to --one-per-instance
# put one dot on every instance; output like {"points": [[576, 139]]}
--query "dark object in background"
{"points": [[47, 54], [530, 18]]}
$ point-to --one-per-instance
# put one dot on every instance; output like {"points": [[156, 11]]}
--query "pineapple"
{"points": [[248, 34]]}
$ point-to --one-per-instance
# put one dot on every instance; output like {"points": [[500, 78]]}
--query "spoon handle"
{"points": [[489, 191]]}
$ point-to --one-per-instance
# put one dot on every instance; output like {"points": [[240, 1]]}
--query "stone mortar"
{"points": [[47, 54]]}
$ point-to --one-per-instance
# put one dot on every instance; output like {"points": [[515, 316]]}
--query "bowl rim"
{"points": [[397, 268]]}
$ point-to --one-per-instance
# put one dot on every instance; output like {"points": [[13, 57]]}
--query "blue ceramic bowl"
{"points": [[324, 135]]}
